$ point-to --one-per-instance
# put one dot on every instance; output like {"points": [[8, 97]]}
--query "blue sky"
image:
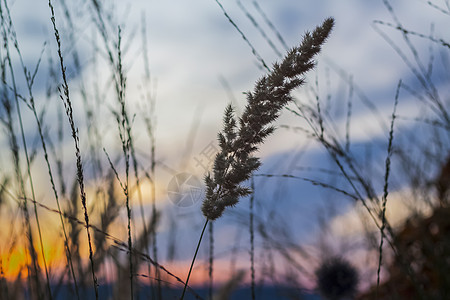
{"points": [[192, 49]]}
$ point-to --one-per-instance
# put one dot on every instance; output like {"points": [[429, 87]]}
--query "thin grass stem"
{"points": [[252, 239], [193, 259], [80, 177], [211, 260], [386, 185]]}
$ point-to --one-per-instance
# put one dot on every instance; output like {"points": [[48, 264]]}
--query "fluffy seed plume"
{"points": [[240, 139]]}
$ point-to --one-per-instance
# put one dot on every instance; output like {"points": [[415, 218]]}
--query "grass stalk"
{"points": [[154, 212], [254, 52], [259, 28], [32, 106], [193, 259], [211, 260], [252, 239], [50, 173], [270, 24], [149, 124], [15, 149], [126, 148], [349, 116], [386, 184], [69, 112]]}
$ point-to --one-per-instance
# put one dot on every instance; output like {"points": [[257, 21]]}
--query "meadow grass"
{"points": [[119, 255]]}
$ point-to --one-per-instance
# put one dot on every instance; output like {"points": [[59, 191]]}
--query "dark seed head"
{"points": [[336, 279]]}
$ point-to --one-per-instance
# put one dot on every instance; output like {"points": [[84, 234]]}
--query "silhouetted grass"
{"points": [[124, 257]]}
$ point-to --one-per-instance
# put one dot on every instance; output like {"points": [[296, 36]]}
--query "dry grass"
{"points": [[98, 236]]}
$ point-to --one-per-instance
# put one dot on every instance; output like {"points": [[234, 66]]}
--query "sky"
{"points": [[199, 63]]}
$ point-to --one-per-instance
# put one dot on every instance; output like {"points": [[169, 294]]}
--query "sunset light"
{"points": [[216, 150]]}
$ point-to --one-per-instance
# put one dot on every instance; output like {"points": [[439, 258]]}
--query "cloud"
{"points": [[355, 222]]}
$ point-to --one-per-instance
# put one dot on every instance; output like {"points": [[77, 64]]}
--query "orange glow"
{"points": [[53, 252], [15, 262]]}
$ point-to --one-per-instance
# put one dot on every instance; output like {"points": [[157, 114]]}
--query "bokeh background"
{"points": [[184, 62]]}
